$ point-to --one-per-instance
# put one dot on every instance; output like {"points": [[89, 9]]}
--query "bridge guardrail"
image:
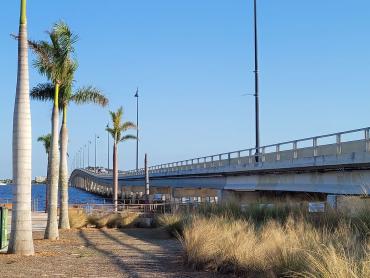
{"points": [[275, 152]]}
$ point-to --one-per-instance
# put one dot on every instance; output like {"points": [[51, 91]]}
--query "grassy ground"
{"points": [[284, 241]]}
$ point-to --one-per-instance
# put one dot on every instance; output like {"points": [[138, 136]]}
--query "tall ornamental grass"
{"points": [[279, 241]]}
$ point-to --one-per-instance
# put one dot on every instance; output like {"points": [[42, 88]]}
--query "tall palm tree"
{"points": [[85, 95], [21, 232], [117, 133], [55, 62], [46, 140]]}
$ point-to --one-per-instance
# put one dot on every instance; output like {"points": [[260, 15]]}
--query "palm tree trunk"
{"points": [[63, 174], [115, 177], [47, 184], [21, 232], [51, 231]]}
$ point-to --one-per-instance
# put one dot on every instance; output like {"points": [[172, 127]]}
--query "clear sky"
{"points": [[192, 61]]}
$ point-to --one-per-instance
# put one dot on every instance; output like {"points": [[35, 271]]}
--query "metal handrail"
{"points": [[252, 153], [261, 151]]}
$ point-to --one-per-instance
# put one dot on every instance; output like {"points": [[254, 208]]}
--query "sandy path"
{"points": [[102, 253]]}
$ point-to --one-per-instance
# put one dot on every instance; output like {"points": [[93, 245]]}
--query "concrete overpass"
{"points": [[311, 168]]}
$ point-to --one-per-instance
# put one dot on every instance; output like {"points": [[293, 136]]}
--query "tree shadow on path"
{"points": [[114, 258]]}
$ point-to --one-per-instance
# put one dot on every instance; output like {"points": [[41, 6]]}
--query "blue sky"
{"points": [[192, 61]]}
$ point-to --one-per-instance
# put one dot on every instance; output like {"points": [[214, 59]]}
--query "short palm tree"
{"points": [[85, 95], [46, 141], [21, 232], [55, 62], [117, 133]]}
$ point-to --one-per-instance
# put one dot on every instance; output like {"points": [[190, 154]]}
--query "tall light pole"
{"points": [[256, 94], [88, 153], [96, 137], [84, 148], [108, 144], [137, 128]]}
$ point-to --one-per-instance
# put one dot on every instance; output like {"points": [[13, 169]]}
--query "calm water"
{"points": [[76, 196]]}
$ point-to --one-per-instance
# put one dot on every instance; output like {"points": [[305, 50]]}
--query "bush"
{"points": [[113, 220], [77, 218]]}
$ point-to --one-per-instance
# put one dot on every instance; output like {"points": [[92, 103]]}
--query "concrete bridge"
{"points": [[315, 168]]}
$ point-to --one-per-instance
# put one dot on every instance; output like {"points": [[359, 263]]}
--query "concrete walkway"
{"points": [[39, 220]]}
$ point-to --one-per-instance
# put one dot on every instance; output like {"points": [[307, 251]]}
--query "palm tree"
{"points": [[45, 92], [21, 232], [55, 62], [116, 132], [46, 140]]}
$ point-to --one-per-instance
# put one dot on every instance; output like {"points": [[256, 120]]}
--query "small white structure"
{"points": [[40, 179]]}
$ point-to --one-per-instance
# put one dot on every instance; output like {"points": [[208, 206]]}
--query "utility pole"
{"points": [[81, 161], [88, 153], [108, 144], [146, 177], [96, 137], [84, 148], [256, 95], [137, 128]]}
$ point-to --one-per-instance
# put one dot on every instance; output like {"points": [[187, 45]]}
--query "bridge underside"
{"points": [[248, 187]]}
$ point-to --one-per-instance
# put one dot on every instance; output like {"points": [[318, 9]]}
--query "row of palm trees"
{"points": [[54, 60]]}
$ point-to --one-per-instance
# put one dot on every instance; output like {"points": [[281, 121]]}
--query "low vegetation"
{"points": [[279, 241], [79, 219]]}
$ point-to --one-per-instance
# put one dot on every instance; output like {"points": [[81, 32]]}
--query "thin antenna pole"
{"points": [[108, 145], [137, 128], [256, 95]]}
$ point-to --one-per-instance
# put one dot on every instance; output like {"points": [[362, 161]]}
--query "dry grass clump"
{"points": [[270, 246], [113, 220], [173, 223], [77, 218]]}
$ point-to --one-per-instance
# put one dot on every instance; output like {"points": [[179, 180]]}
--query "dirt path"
{"points": [[102, 253]]}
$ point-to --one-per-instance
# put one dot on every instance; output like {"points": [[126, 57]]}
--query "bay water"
{"points": [[76, 196]]}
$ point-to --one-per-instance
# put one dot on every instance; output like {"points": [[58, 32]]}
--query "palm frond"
{"points": [[54, 59], [64, 38], [89, 95], [128, 137], [43, 92], [117, 129], [127, 125], [46, 140]]}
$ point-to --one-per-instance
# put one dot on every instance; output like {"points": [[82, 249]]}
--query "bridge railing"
{"points": [[328, 144]]}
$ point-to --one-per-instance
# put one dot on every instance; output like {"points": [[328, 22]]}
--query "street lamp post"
{"points": [[96, 137], [88, 153], [108, 144], [256, 95], [137, 128], [83, 163]]}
